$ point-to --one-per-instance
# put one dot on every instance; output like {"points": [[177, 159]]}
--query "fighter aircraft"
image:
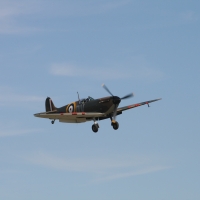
{"points": [[89, 109]]}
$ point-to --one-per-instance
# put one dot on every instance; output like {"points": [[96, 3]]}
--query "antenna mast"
{"points": [[79, 98]]}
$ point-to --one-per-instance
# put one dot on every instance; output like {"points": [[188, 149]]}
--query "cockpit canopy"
{"points": [[86, 99]]}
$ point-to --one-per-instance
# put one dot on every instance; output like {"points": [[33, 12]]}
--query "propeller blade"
{"points": [[104, 86], [128, 96]]}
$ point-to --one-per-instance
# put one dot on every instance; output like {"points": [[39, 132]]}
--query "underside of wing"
{"points": [[119, 110], [75, 117]]}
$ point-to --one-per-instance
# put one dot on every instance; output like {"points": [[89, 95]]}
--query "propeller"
{"points": [[117, 100]]}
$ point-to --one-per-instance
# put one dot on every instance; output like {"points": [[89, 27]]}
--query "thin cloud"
{"points": [[73, 71], [8, 97], [81, 8], [150, 169], [105, 169], [189, 16], [8, 133], [13, 14], [95, 165], [90, 8], [106, 73]]}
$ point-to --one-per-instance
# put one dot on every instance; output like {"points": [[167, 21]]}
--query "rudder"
{"points": [[49, 105]]}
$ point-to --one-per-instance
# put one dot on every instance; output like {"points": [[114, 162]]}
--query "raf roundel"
{"points": [[71, 108]]}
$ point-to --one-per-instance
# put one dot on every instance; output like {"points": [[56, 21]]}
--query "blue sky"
{"points": [[55, 49]]}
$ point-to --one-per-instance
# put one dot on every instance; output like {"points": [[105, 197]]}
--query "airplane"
{"points": [[89, 109]]}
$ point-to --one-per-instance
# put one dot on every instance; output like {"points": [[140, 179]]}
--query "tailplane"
{"points": [[49, 105]]}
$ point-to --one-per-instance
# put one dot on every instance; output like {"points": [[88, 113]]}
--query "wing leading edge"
{"points": [[136, 105]]}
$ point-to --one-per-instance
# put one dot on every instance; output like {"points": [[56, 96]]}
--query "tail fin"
{"points": [[49, 105]]}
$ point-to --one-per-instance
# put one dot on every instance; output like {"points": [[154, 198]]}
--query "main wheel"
{"points": [[115, 125], [52, 121], [94, 128]]}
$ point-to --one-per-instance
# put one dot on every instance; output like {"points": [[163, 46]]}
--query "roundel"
{"points": [[71, 108]]}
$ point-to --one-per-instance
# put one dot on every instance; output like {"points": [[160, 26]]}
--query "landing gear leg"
{"points": [[53, 121]]}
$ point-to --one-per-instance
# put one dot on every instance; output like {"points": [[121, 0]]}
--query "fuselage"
{"points": [[102, 105]]}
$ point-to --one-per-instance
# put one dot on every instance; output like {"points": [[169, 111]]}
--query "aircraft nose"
{"points": [[116, 100]]}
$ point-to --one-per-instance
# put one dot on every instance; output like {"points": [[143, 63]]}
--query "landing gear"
{"points": [[95, 128], [53, 121], [115, 125]]}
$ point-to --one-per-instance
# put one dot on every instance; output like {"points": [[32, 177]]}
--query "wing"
{"points": [[75, 117], [119, 110]]}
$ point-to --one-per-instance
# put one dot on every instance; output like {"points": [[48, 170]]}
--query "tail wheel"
{"points": [[115, 125], [95, 128]]}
